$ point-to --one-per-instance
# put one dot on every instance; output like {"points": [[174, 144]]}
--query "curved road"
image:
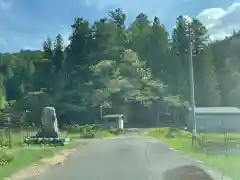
{"points": [[129, 157]]}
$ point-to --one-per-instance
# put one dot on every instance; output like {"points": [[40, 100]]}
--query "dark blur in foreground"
{"points": [[188, 172]]}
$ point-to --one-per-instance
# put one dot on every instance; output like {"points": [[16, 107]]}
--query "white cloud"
{"points": [[221, 22], [188, 18]]}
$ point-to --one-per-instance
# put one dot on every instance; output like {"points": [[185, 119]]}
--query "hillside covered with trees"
{"points": [[140, 70]]}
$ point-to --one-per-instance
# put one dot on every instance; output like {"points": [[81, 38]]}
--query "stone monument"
{"points": [[49, 124], [49, 133]]}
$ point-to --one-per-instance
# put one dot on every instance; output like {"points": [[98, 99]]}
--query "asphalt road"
{"points": [[129, 157]]}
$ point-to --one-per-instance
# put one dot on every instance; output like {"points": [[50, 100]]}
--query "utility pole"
{"points": [[191, 82], [101, 111]]}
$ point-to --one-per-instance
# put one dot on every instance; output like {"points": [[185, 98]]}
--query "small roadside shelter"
{"points": [[113, 121], [215, 119]]}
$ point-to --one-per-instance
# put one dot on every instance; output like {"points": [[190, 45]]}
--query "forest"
{"points": [[140, 70]]}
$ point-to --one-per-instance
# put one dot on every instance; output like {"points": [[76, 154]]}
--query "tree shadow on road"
{"points": [[187, 172]]}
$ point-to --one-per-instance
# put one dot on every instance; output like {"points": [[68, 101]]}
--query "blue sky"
{"points": [[26, 23]]}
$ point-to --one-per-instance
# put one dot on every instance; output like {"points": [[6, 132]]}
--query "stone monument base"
{"points": [[47, 134], [47, 141]]}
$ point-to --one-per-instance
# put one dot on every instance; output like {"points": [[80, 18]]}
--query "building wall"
{"points": [[107, 124], [216, 123]]}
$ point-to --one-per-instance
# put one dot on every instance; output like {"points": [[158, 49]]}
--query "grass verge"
{"points": [[24, 157], [29, 155], [228, 165]]}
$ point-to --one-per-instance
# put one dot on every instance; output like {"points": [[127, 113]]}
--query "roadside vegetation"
{"points": [[15, 155], [89, 131], [181, 140], [18, 158]]}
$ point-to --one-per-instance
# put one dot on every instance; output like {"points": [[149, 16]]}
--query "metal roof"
{"points": [[217, 110]]}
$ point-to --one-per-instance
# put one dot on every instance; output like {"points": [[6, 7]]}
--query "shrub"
{"points": [[96, 127], [45, 141], [171, 133], [74, 128], [84, 131], [5, 158], [116, 131], [88, 135], [87, 128], [90, 128], [80, 129]]}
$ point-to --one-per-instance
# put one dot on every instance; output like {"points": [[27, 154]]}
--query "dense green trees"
{"points": [[109, 63]]}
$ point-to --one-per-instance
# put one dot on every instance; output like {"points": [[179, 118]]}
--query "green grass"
{"points": [[24, 157], [229, 165], [18, 136]]}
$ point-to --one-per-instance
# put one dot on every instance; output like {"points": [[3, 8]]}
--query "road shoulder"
{"points": [[41, 166]]}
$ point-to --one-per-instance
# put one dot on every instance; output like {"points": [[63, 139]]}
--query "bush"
{"points": [[90, 128], [81, 129], [116, 131], [96, 127], [5, 158], [45, 141], [87, 128], [86, 131], [171, 133], [74, 128], [88, 135]]}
